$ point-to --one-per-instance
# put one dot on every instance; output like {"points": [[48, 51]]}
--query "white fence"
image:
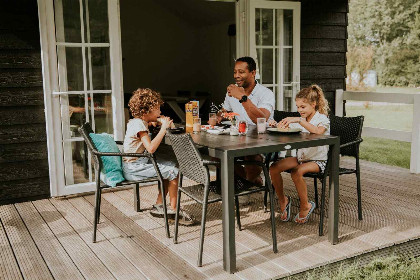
{"points": [[413, 136]]}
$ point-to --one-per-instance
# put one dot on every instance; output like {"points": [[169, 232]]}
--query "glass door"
{"points": [[87, 85], [274, 40]]}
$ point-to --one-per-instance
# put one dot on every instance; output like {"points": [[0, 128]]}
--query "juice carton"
{"points": [[191, 112]]}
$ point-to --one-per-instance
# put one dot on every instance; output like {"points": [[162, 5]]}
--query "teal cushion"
{"points": [[112, 166]]}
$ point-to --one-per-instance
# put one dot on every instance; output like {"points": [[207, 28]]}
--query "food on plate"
{"points": [[283, 129]]}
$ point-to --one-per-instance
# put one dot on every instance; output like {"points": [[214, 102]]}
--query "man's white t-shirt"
{"points": [[261, 96]]}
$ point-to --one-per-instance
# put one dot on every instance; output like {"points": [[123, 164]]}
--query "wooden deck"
{"points": [[51, 238]]}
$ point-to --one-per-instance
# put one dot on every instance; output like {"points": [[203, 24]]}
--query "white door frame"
{"points": [[52, 92], [245, 43]]}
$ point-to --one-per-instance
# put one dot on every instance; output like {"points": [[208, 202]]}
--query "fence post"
{"points": [[415, 137], [339, 99]]}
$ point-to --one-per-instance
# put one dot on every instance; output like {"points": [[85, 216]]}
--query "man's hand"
{"points": [[235, 91]]}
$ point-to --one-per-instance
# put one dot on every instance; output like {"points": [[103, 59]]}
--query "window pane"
{"points": [[71, 18], [287, 65], [74, 64], [77, 113], [103, 113], [288, 28], [101, 76], [79, 156], [98, 21], [287, 98], [264, 26], [266, 66]]}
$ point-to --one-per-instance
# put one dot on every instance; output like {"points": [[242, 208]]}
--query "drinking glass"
{"points": [[212, 119], [197, 125], [261, 125], [242, 127]]}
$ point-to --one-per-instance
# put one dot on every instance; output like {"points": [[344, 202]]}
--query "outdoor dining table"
{"points": [[227, 148]]}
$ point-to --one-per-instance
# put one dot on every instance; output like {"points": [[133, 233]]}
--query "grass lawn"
{"points": [[389, 152], [387, 268]]}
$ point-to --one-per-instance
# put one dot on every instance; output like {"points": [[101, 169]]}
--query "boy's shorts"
{"points": [[142, 169]]}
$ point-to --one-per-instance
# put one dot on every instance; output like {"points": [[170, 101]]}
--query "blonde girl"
{"points": [[313, 109]]}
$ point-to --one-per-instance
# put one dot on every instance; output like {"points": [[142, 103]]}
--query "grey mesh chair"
{"points": [[195, 166], [85, 130]]}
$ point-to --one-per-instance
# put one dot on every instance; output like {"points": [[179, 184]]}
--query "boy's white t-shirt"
{"points": [[314, 153], [132, 143]]}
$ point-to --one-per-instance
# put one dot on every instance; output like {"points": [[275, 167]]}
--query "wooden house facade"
{"points": [[25, 156]]}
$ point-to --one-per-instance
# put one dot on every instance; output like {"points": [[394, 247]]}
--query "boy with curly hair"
{"points": [[145, 108]]}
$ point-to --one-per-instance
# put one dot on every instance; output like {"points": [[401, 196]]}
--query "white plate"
{"points": [[226, 122], [290, 131]]}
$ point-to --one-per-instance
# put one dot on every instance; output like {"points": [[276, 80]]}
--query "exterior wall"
{"points": [[324, 45], [23, 149]]}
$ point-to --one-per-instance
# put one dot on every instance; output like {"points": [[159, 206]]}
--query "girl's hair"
{"points": [[143, 101], [315, 94]]}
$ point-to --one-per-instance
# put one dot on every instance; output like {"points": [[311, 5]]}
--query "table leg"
{"points": [[228, 213], [334, 193]]}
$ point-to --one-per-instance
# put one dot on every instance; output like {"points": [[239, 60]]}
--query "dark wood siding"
{"points": [[23, 148], [324, 45]]}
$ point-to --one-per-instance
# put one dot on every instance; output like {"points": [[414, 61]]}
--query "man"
{"points": [[250, 100]]}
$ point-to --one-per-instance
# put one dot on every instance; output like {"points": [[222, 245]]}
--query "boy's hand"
{"points": [[166, 122]]}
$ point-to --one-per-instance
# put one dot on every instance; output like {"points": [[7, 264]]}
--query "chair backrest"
{"points": [[279, 115], [189, 158], [349, 129], [85, 130]]}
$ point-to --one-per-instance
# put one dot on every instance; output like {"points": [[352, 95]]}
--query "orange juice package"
{"points": [[191, 112]]}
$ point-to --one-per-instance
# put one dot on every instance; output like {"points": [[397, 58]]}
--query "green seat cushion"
{"points": [[112, 166]]}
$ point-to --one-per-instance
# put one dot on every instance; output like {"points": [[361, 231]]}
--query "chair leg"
{"points": [[165, 213], [203, 228], [136, 198], [97, 211], [359, 194], [316, 192], [238, 213], [273, 218], [178, 202], [321, 214], [99, 207], [265, 201]]}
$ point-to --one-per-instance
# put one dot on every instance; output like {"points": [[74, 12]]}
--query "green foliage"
{"points": [[392, 29]]}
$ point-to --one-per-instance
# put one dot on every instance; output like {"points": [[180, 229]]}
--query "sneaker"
{"points": [[185, 219], [157, 211]]}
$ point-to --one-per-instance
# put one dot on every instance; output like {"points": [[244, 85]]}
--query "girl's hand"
{"points": [[284, 123], [272, 123]]}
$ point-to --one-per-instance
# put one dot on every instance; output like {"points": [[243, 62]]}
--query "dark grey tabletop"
{"points": [[260, 143]]}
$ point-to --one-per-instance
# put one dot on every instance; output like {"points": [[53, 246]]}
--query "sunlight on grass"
{"points": [[396, 117], [386, 268], [389, 152]]}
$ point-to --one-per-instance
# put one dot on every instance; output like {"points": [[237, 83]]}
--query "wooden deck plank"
{"points": [[187, 248], [141, 259], [30, 260], [82, 256], [53, 253], [116, 263], [180, 268], [9, 268]]}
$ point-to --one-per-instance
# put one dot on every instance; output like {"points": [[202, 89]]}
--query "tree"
{"points": [[392, 29]]}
